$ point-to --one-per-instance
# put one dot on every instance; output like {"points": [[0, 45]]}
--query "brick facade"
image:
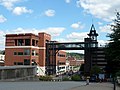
{"points": [[28, 49]]}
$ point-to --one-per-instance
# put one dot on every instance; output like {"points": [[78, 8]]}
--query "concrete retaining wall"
{"points": [[17, 72]]}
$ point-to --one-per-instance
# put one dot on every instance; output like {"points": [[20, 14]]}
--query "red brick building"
{"points": [[74, 62], [28, 49]]}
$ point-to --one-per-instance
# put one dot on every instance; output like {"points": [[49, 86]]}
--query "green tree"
{"points": [[113, 47], [118, 73], [76, 78], [95, 70]]}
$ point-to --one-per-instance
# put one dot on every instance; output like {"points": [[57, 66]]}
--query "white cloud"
{"points": [[103, 9], [50, 13], [2, 33], [100, 23], [54, 31], [67, 1], [21, 10], [102, 43], [2, 39], [8, 3], [60, 39], [24, 30], [105, 29], [74, 36], [2, 19], [20, 30], [77, 25]]}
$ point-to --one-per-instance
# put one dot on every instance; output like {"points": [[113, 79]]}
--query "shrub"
{"points": [[45, 78], [66, 79], [76, 78]]}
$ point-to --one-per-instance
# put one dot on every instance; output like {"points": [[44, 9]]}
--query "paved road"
{"points": [[39, 85], [96, 86], [68, 85]]}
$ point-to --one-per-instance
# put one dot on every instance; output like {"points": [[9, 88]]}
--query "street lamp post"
{"points": [[114, 82]]}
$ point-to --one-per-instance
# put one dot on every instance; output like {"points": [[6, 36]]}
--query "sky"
{"points": [[65, 20]]}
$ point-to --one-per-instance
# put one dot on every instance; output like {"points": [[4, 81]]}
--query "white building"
{"points": [[2, 59]]}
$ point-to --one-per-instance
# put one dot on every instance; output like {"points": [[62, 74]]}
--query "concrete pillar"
{"points": [[2, 74]]}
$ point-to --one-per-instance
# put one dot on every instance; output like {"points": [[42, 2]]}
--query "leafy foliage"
{"points": [[76, 55], [118, 73], [113, 48], [76, 78], [95, 70], [45, 78], [66, 79]]}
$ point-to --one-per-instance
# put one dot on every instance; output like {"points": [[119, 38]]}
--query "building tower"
{"points": [[92, 34], [90, 49]]}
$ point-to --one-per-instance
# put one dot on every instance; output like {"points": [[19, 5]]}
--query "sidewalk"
{"points": [[96, 86]]}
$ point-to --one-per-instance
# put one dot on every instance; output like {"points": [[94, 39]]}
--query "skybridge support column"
{"points": [[88, 61], [47, 63], [53, 60]]}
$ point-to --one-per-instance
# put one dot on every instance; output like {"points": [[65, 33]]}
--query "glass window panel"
{"points": [[27, 52], [27, 42]]}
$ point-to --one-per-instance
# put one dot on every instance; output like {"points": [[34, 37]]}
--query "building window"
{"points": [[27, 42], [33, 62], [61, 55], [20, 42], [27, 52], [33, 42], [61, 63], [36, 42], [15, 42], [18, 63], [15, 63], [36, 54], [20, 53], [26, 61], [33, 52], [15, 53]]}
